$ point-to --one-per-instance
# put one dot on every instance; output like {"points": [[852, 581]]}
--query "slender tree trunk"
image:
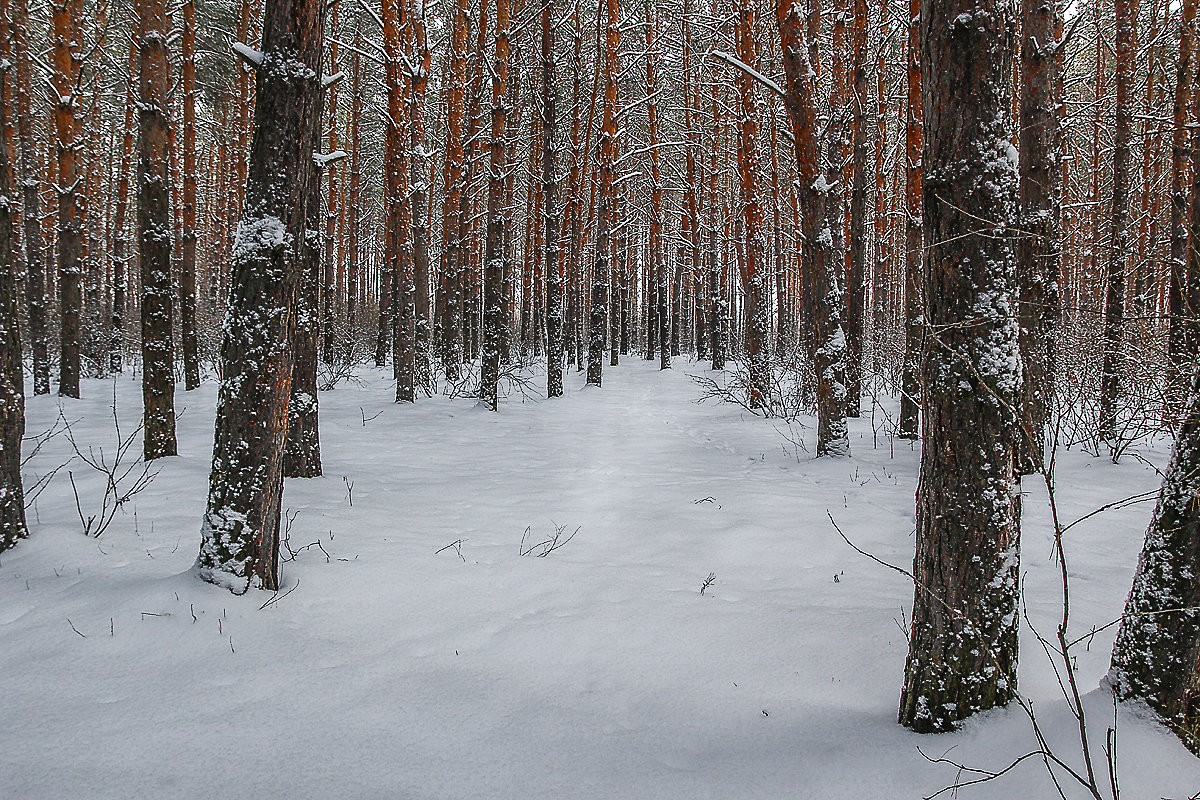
{"points": [[494, 299], [31, 206], [1038, 247], [820, 215], [187, 265], [12, 380], [607, 157], [753, 273], [551, 215], [70, 276], [963, 646], [420, 179], [240, 532], [154, 227], [1180, 353], [914, 301], [857, 273], [1114, 301]]}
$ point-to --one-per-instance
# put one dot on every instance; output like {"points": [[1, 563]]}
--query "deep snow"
{"points": [[395, 671]]}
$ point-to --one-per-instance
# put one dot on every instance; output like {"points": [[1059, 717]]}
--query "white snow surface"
{"points": [[598, 672]]}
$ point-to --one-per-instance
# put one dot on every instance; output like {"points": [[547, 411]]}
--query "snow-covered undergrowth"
{"points": [[398, 667]]}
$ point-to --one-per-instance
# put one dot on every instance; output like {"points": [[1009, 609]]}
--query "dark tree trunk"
{"points": [[914, 301], [66, 127], [12, 381], [31, 205], [1180, 353], [495, 299], [963, 647], [1156, 657], [607, 157], [551, 213], [240, 546], [154, 225], [856, 277], [1037, 248], [302, 451], [1114, 300]]}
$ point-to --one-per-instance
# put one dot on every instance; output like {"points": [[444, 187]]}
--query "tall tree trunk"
{"points": [[659, 269], [857, 273], [753, 273], [154, 227], [1180, 353], [420, 179], [1156, 656], [240, 532], [914, 300], [1114, 300], [70, 277], [120, 241], [821, 222], [1040, 203], [494, 299], [606, 159], [454, 246], [187, 265], [551, 215], [31, 205], [12, 380], [963, 647]]}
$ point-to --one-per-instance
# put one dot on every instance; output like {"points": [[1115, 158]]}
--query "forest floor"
{"points": [[418, 654]]}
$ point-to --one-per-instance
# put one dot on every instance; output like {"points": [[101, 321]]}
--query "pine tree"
{"points": [[154, 230], [240, 531], [1156, 656], [12, 380], [963, 647]]}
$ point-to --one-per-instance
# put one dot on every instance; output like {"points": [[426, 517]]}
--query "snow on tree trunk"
{"points": [[607, 158], [240, 531], [821, 225], [154, 226], [1156, 656], [65, 81], [190, 338], [551, 213], [12, 380], [963, 648], [1040, 201], [495, 299]]}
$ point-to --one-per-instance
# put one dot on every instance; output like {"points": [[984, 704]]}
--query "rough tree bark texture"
{"points": [[607, 157], [190, 338], [1178, 277], [1157, 652], [754, 269], [154, 226], [963, 647], [1118, 243], [70, 275], [302, 450], [857, 273], [120, 244], [551, 212], [31, 204], [822, 290], [1040, 202], [12, 381], [914, 301], [494, 299], [659, 269], [240, 531]]}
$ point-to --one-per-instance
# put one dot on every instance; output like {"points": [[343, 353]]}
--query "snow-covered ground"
{"points": [[401, 665]]}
